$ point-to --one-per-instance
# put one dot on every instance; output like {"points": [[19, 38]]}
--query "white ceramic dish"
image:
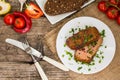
{"points": [[57, 18], [106, 52]]}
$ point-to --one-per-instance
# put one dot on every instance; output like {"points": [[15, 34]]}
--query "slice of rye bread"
{"points": [[55, 7], [87, 53]]}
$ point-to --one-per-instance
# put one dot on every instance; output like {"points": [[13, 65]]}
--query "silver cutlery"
{"points": [[37, 65], [38, 54], [21, 4]]}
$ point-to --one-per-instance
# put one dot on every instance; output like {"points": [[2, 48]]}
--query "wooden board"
{"points": [[14, 63], [109, 73]]}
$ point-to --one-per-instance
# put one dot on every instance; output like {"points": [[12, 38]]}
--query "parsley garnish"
{"points": [[102, 33], [79, 68]]}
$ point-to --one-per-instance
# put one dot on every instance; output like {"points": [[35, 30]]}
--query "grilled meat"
{"points": [[83, 38], [87, 53]]}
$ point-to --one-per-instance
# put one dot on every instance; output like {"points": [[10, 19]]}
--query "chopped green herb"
{"points": [[76, 60], [94, 43], [79, 68], [102, 33], [86, 26], [64, 45], [102, 57], [75, 28], [105, 46], [90, 51], [69, 58], [92, 64], [87, 38], [69, 53], [100, 61], [63, 55], [79, 29], [89, 69], [97, 56], [72, 30], [85, 63], [101, 52]]}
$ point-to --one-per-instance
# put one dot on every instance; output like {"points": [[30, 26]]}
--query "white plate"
{"points": [[57, 18], [105, 52]]}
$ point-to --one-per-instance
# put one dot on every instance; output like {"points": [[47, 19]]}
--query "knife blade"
{"points": [[37, 54], [19, 45]]}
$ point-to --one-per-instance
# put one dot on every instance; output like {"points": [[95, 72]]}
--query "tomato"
{"points": [[118, 19], [103, 6], [118, 5], [114, 1], [33, 10], [19, 23], [28, 22], [9, 19], [112, 12]]}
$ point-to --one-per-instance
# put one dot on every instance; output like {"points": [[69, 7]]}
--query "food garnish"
{"points": [[33, 11], [92, 49]]}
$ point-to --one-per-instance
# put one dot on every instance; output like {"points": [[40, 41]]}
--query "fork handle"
{"points": [[21, 6], [40, 71], [55, 63]]}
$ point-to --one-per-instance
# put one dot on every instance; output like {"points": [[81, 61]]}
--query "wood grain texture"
{"points": [[14, 63], [113, 70]]}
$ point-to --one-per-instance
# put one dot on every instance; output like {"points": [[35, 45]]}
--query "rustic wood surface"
{"points": [[112, 72], [14, 63]]}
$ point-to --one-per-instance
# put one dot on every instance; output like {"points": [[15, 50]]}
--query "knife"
{"points": [[37, 54], [36, 63]]}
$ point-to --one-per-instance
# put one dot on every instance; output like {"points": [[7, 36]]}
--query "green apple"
{"points": [[5, 7]]}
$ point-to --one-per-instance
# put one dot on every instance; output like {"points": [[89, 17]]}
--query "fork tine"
{"points": [[41, 47], [27, 42], [24, 43]]}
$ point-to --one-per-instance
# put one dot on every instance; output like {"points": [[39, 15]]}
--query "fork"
{"points": [[50, 60], [21, 4], [37, 65]]}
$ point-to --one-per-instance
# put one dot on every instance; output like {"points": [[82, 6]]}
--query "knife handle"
{"points": [[55, 63], [40, 71]]}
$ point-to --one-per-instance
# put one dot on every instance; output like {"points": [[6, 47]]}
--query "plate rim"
{"points": [[114, 51]]}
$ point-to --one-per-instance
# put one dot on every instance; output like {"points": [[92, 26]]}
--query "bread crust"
{"points": [[55, 7]]}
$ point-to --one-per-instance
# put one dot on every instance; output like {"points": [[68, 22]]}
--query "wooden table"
{"points": [[13, 61]]}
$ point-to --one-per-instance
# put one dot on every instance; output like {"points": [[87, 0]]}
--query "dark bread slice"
{"points": [[82, 38], [55, 7], [87, 53]]}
